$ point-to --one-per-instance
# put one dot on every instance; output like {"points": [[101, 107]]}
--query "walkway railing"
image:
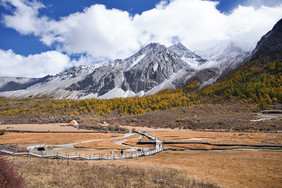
{"points": [[75, 155]]}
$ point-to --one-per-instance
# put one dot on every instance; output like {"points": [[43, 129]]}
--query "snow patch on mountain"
{"points": [[191, 58], [137, 61], [117, 93], [152, 69], [221, 53], [168, 83]]}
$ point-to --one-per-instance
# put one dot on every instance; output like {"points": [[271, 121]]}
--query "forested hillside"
{"points": [[46, 107], [260, 80]]}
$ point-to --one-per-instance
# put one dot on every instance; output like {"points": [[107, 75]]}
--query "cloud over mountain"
{"points": [[111, 33], [37, 65]]}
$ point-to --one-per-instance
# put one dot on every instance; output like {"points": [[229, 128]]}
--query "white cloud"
{"points": [[97, 31], [39, 65], [24, 18], [111, 33]]}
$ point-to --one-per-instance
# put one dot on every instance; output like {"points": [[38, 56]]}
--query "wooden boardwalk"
{"points": [[75, 155]]}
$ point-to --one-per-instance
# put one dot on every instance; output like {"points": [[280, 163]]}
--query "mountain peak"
{"points": [[186, 55], [180, 46], [153, 46]]}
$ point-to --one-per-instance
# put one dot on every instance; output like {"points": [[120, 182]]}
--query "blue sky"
{"points": [[29, 44], [60, 30]]}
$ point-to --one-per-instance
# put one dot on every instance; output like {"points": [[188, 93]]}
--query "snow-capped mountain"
{"points": [[51, 85], [222, 59], [150, 70], [221, 54], [155, 67], [187, 56], [226, 58]]}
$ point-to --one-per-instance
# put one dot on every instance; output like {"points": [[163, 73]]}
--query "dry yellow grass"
{"points": [[220, 137], [40, 127], [134, 143], [73, 173], [181, 147], [24, 139], [226, 168]]}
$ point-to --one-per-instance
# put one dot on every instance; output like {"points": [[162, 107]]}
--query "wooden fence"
{"points": [[75, 155]]}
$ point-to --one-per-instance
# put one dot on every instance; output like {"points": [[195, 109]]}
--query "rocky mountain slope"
{"points": [[148, 71], [270, 44], [153, 68]]}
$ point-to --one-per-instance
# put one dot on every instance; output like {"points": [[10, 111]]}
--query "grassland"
{"points": [[220, 137], [166, 169], [41, 127], [64, 173], [25, 139], [225, 168], [178, 169]]}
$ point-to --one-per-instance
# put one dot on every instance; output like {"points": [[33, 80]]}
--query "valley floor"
{"points": [[225, 169], [222, 167]]}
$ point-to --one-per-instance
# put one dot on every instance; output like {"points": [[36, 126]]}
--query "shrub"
{"points": [[2, 131], [8, 176]]}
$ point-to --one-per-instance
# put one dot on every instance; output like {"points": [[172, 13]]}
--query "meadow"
{"points": [[200, 167]]}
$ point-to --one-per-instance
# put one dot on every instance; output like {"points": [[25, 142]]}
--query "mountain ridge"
{"points": [[152, 69]]}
